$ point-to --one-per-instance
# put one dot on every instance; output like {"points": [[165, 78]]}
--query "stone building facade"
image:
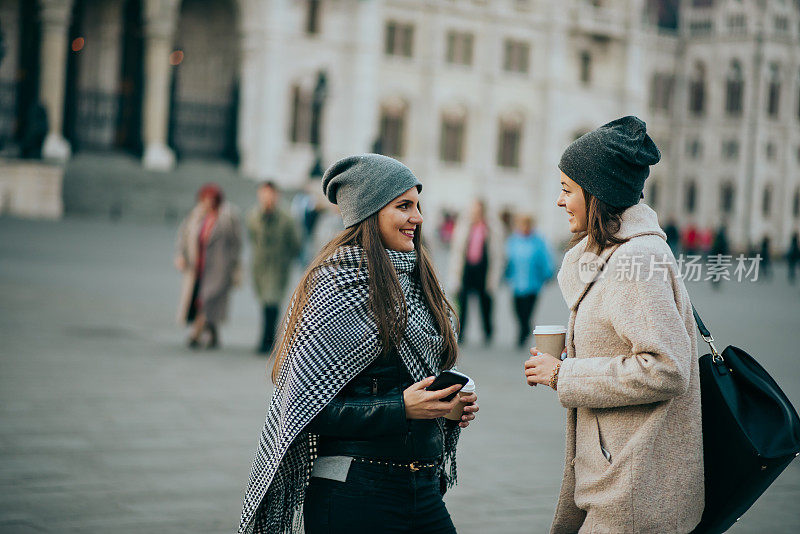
{"points": [[479, 97]]}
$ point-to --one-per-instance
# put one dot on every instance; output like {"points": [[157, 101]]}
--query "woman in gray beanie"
{"points": [[353, 442], [629, 375]]}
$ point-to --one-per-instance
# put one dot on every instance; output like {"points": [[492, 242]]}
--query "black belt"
{"points": [[412, 466]]}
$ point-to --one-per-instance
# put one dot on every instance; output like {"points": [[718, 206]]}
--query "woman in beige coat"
{"points": [[629, 377], [207, 253]]}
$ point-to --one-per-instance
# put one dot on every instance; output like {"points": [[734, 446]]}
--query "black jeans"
{"points": [[474, 281], [523, 306], [374, 499], [268, 332]]}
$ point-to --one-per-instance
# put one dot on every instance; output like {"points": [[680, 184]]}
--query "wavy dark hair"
{"points": [[603, 221], [386, 299]]}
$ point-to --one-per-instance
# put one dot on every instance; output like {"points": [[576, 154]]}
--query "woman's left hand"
{"points": [[470, 409], [539, 367]]}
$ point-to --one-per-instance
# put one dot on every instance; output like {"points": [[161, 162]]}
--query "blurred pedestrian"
{"points": [[328, 225], [276, 243], [208, 248], [630, 375], [705, 238], [673, 236], [766, 259], [691, 240], [34, 131], [305, 210], [529, 267], [446, 227], [793, 257], [507, 221], [351, 428], [720, 247], [476, 265]]}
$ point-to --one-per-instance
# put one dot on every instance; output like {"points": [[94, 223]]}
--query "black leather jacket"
{"points": [[368, 419]]}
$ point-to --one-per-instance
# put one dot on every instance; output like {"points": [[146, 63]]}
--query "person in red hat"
{"points": [[208, 248]]}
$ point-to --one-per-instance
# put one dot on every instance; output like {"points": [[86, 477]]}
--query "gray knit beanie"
{"points": [[362, 185], [613, 161]]}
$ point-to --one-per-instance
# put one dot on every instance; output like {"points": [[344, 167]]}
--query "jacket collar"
{"points": [[580, 268]]}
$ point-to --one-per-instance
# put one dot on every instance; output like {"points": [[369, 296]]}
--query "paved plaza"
{"points": [[108, 424]]}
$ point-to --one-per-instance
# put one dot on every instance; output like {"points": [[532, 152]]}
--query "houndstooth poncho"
{"points": [[338, 338]]}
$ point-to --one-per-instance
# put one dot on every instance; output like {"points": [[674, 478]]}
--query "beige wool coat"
{"points": [[634, 448], [222, 268]]}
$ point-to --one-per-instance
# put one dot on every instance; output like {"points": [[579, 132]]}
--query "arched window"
{"points": [[300, 119], [453, 135], [652, 197], [730, 149], [770, 151], [399, 39], [392, 128], [726, 198], [509, 142], [585, 67], [312, 16], [690, 199], [766, 201], [774, 91], [661, 87], [460, 46], [798, 95], [734, 87], [697, 89]]}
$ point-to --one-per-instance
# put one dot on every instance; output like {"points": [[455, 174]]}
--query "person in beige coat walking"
{"points": [[207, 254], [629, 377]]}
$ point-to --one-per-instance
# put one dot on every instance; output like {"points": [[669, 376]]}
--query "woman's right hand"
{"points": [[422, 404]]}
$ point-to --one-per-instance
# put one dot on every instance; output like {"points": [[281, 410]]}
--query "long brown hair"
{"points": [[603, 221], [386, 300]]}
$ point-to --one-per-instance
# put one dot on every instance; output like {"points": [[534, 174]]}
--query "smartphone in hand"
{"points": [[445, 380]]}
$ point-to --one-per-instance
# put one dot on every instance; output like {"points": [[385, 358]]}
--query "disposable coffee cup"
{"points": [[550, 339], [458, 410]]}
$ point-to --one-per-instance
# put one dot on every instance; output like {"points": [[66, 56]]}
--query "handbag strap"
{"points": [[707, 337], [700, 325]]}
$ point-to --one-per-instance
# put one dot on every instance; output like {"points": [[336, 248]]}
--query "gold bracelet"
{"points": [[554, 378]]}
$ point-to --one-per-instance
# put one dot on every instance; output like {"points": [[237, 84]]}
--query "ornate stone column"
{"points": [[634, 97], [269, 129], [160, 25], [367, 28], [251, 24], [55, 17]]}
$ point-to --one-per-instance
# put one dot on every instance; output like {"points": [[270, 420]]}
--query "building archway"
{"points": [[19, 67], [205, 62], [131, 89], [104, 79]]}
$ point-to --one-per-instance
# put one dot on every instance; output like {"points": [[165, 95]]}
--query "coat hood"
{"points": [[580, 268]]}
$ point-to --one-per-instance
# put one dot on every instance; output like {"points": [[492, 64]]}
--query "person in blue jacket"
{"points": [[529, 266]]}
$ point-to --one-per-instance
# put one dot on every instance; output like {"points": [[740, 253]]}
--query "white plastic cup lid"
{"points": [[549, 329], [469, 387]]}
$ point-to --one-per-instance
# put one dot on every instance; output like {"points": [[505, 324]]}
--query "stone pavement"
{"points": [[107, 423]]}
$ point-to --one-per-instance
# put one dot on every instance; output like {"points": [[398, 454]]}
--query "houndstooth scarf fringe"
{"points": [[337, 339]]}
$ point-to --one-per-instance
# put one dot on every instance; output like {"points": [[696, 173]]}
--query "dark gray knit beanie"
{"points": [[613, 161], [362, 185]]}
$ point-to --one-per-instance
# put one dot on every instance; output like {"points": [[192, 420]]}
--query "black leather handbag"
{"points": [[751, 432]]}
